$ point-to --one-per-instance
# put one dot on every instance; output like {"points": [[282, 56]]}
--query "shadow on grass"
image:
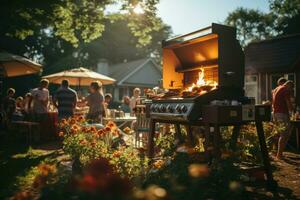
{"points": [[16, 159]]}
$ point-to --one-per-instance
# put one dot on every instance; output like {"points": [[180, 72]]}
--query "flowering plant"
{"points": [[85, 144]]}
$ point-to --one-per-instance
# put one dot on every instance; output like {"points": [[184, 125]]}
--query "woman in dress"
{"points": [[95, 102]]}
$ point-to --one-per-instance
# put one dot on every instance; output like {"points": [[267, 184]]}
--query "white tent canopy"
{"points": [[79, 77]]}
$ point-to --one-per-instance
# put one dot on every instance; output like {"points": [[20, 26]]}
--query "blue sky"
{"points": [[189, 15]]}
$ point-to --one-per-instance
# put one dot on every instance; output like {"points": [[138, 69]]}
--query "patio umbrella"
{"points": [[13, 65], [79, 77]]}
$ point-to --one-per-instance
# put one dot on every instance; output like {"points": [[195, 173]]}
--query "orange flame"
{"points": [[202, 82]]}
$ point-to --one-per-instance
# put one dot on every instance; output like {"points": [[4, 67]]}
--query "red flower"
{"points": [[107, 129], [100, 133], [83, 142], [88, 184]]}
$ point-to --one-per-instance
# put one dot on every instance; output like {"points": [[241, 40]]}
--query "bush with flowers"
{"points": [[85, 143]]}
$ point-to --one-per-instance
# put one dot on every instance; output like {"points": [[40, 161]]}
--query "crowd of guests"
{"points": [[35, 104]]}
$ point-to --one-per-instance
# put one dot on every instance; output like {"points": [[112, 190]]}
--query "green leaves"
{"points": [[253, 25], [82, 21]]}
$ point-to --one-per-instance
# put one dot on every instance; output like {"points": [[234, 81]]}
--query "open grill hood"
{"points": [[212, 47]]}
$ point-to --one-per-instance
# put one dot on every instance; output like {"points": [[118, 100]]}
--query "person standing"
{"points": [[95, 102], [40, 97], [280, 82], [135, 99], [9, 105], [282, 107], [65, 100]]}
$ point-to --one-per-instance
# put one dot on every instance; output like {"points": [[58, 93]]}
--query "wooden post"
{"points": [[190, 135], [234, 137], [151, 135], [207, 142], [217, 142], [264, 151]]}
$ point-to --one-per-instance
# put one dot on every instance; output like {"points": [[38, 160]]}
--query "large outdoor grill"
{"points": [[198, 68], [204, 74]]}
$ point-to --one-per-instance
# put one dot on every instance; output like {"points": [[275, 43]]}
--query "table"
{"points": [[120, 121], [295, 124], [29, 125], [49, 126]]}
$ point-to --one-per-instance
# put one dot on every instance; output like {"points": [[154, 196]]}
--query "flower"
{"points": [[199, 170], [117, 154], [84, 129], [93, 143], [127, 130], [111, 124], [75, 128], [72, 121], [107, 129], [63, 122], [158, 164], [116, 133], [83, 142], [88, 184], [93, 129], [100, 132], [46, 169], [61, 134], [80, 119]]}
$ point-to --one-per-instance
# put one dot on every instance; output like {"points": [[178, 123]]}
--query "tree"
{"points": [[77, 22], [117, 44], [287, 15], [253, 25]]}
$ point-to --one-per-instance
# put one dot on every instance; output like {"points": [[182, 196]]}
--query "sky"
{"points": [[185, 16]]}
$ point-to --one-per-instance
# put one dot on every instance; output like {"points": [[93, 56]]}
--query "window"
{"points": [[251, 86]]}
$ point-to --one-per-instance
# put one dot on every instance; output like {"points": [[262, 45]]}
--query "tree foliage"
{"points": [[79, 32], [253, 25]]}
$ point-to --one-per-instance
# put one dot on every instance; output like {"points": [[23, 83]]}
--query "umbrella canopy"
{"points": [[13, 65], [79, 77]]}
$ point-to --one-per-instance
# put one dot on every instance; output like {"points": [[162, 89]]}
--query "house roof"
{"points": [[122, 71], [280, 54]]}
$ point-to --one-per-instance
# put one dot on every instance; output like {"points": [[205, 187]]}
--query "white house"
{"points": [[143, 73]]}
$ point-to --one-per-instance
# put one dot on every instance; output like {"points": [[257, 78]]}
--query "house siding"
{"points": [[146, 76]]}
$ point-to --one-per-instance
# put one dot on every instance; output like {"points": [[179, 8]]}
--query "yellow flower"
{"points": [[127, 130]]}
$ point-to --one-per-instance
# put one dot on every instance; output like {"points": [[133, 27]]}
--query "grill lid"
{"points": [[214, 46]]}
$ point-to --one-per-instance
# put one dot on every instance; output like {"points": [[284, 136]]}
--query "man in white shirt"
{"points": [[40, 97]]}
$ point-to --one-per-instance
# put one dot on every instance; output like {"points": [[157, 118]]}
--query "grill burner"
{"points": [[198, 68]]}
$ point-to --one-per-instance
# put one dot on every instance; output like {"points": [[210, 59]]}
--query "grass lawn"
{"points": [[18, 162]]}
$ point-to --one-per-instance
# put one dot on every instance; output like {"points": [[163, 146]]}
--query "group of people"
{"points": [[34, 105], [283, 108]]}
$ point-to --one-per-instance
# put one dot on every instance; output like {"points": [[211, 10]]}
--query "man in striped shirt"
{"points": [[65, 100]]}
